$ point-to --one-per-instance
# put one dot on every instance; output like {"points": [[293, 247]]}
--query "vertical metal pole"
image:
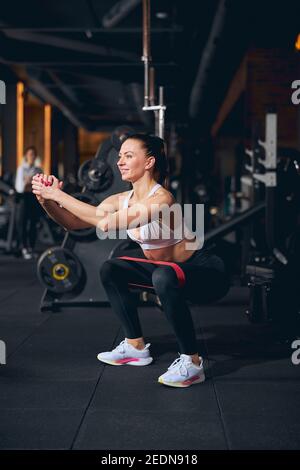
{"points": [[161, 113], [149, 76], [146, 58], [271, 183], [152, 96], [271, 141], [152, 86]]}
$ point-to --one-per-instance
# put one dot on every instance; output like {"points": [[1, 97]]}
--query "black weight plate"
{"points": [[100, 175], [59, 270], [95, 175], [82, 171]]}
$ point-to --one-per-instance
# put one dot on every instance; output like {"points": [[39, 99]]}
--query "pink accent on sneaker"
{"points": [[127, 359], [191, 380]]}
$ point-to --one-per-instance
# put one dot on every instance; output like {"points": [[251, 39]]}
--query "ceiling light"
{"points": [[162, 15]]}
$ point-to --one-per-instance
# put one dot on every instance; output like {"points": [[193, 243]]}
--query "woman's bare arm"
{"points": [[77, 210], [57, 213], [63, 217]]}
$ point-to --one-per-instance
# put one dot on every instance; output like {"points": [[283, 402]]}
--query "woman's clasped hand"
{"points": [[46, 186]]}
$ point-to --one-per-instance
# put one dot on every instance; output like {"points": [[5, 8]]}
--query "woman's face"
{"points": [[133, 161], [30, 156]]}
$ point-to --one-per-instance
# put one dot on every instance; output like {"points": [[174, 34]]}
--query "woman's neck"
{"points": [[142, 188]]}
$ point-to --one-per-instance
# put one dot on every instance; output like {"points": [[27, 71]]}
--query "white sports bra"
{"points": [[151, 235]]}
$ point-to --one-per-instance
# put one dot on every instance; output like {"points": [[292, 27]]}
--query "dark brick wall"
{"points": [[270, 73]]}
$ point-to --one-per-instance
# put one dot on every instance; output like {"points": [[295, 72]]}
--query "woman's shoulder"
{"points": [[161, 191]]}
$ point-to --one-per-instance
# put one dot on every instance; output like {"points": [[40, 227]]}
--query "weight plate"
{"points": [[59, 270], [95, 175]]}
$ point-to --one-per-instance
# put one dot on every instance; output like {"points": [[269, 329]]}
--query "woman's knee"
{"points": [[164, 278]]}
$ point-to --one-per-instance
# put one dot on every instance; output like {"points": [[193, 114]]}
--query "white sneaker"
{"points": [[183, 373], [125, 353], [26, 253]]}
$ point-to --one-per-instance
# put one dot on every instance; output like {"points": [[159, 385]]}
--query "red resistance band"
{"points": [[178, 271]]}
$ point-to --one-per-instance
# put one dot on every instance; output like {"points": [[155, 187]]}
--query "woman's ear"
{"points": [[150, 163]]}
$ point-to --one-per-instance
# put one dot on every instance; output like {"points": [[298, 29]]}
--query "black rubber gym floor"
{"points": [[55, 394]]}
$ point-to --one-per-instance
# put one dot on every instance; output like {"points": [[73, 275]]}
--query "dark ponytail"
{"points": [[155, 147]]}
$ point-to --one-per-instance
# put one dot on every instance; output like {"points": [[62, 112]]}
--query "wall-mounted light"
{"points": [[20, 122], [47, 139], [297, 43], [161, 15]]}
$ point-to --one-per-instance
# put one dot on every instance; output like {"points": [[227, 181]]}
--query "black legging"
{"points": [[28, 216], [205, 280]]}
